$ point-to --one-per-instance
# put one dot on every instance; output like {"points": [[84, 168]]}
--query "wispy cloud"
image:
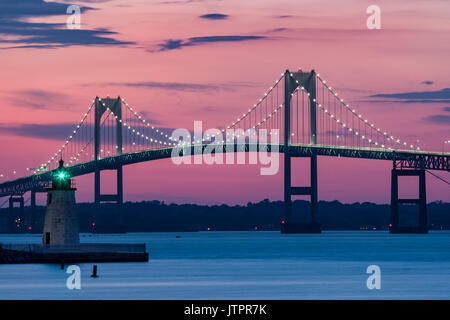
{"points": [[438, 96], [88, 1], [177, 86], [438, 119], [180, 86], [44, 131], [60, 131], [215, 16], [174, 44], [180, 1], [406, 101], [20, 33], [38, 99]]}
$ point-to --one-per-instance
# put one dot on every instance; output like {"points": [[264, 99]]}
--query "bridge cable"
{"points": [[438, 177], [4, 203]]}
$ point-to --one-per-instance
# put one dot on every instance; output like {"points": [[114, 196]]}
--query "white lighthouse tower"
{"points": [[61, 223]]}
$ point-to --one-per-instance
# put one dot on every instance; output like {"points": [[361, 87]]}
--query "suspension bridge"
{"points": [[307, 114]]}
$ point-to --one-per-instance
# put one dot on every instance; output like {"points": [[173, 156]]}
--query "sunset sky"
{"points": [[222, 56]]}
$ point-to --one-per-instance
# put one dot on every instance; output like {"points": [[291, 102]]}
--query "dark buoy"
{"points": [[177, 237], [94, 271], [62, 264]]}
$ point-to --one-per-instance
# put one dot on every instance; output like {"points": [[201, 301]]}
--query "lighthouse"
{"points": [[61, 223]]}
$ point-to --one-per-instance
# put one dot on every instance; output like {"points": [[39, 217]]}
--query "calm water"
{"points": [[248, 265]]}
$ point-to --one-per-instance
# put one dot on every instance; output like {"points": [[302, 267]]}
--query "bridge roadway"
{"points": [[401, 159]]}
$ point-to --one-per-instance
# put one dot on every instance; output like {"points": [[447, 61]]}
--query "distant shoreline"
{"points": [[157, 216]]}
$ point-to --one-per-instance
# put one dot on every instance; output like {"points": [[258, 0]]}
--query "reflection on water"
{"points": [[248, 265]]}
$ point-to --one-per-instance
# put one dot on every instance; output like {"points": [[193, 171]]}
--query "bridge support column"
{"points": [[13, 225], [395, 226], [111, 198], [32, 222], [292, 80], [288, 225]]}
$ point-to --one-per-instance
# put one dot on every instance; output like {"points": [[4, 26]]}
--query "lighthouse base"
{"points": [[61, 223]]}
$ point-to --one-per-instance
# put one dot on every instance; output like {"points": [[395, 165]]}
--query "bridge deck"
{"points": [[403, 159]]}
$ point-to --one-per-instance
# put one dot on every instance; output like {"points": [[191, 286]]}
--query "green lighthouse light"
{"points": [[61, 178], [62, 175]]}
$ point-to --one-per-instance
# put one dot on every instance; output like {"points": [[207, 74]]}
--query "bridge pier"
{"points": [[292, 80], [33, 210], [395, 226], [111, 198], [31, 222], [12, 224], [288, 225]]}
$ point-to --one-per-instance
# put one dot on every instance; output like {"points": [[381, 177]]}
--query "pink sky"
{"points": [[329, 36]]}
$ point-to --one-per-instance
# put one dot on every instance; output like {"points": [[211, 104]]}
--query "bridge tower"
{"points": [[308, 81], [395, 226], [101, 106], [13, 225]]}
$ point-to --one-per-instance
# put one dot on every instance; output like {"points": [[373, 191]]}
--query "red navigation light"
{"points": [[93, 224], [390, 225], [282, 221], [29, 228]]}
